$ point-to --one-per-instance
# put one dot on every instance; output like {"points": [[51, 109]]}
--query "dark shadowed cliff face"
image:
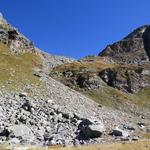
{"points": [[133, 49], [146, 40]]}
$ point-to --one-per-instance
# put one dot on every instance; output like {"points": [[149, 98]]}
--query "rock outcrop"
{"points": [[89, 129], [16, 41], [130, 80]]}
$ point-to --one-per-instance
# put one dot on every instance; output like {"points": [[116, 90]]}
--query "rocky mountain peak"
{"points": [[133, 49], [1, 16], [13, 38], [137, 33], [2, 20], [19, 44], [146, 40]]}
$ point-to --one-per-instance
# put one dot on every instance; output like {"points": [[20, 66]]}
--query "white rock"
{"points": [[23, 94], [21, 131], [119, 132]]}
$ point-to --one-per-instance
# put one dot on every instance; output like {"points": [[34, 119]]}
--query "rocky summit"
{"points": [[54, 100], [133, 49]]}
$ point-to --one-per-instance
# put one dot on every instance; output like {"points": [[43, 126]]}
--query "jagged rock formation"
{"points": [[130, 80], [16, 41]]}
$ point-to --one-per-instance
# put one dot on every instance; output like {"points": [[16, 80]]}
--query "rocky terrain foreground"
{"points": [[54, 100]]}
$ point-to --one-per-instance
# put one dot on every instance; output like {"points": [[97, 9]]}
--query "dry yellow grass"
{"points": [[17, 69], [141, 145], [122, 146], [98, 65]]}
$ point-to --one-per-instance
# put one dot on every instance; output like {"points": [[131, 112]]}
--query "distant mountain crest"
{"points": [[133, 49], [2, 20], [1, 15], [137, 33]]}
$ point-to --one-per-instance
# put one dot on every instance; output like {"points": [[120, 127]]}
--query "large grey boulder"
{"points": [[125, 79], [95, 130], [90, 82], [90, 129], [21, 132]]}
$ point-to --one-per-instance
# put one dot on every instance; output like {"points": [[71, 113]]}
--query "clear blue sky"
{"points": [[75, 28]]}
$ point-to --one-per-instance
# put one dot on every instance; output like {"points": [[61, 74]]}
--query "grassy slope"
{"points": [[16, 70], [107, 95], [93, 66], [114, 98]]}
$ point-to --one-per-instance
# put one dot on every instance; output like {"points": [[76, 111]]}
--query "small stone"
{"points": [[119, 132], [129, 127], [148, 130], [23, 94], [37, 74], [48, 129], [27, 106], [65, 116], [142, 125], [135, 138], [100, 106], [50, 101], [14, 141], [125, 139]]}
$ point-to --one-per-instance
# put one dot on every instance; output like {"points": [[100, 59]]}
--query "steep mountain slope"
{"points": [[36, 109], [119, 77], [18, 43]]}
